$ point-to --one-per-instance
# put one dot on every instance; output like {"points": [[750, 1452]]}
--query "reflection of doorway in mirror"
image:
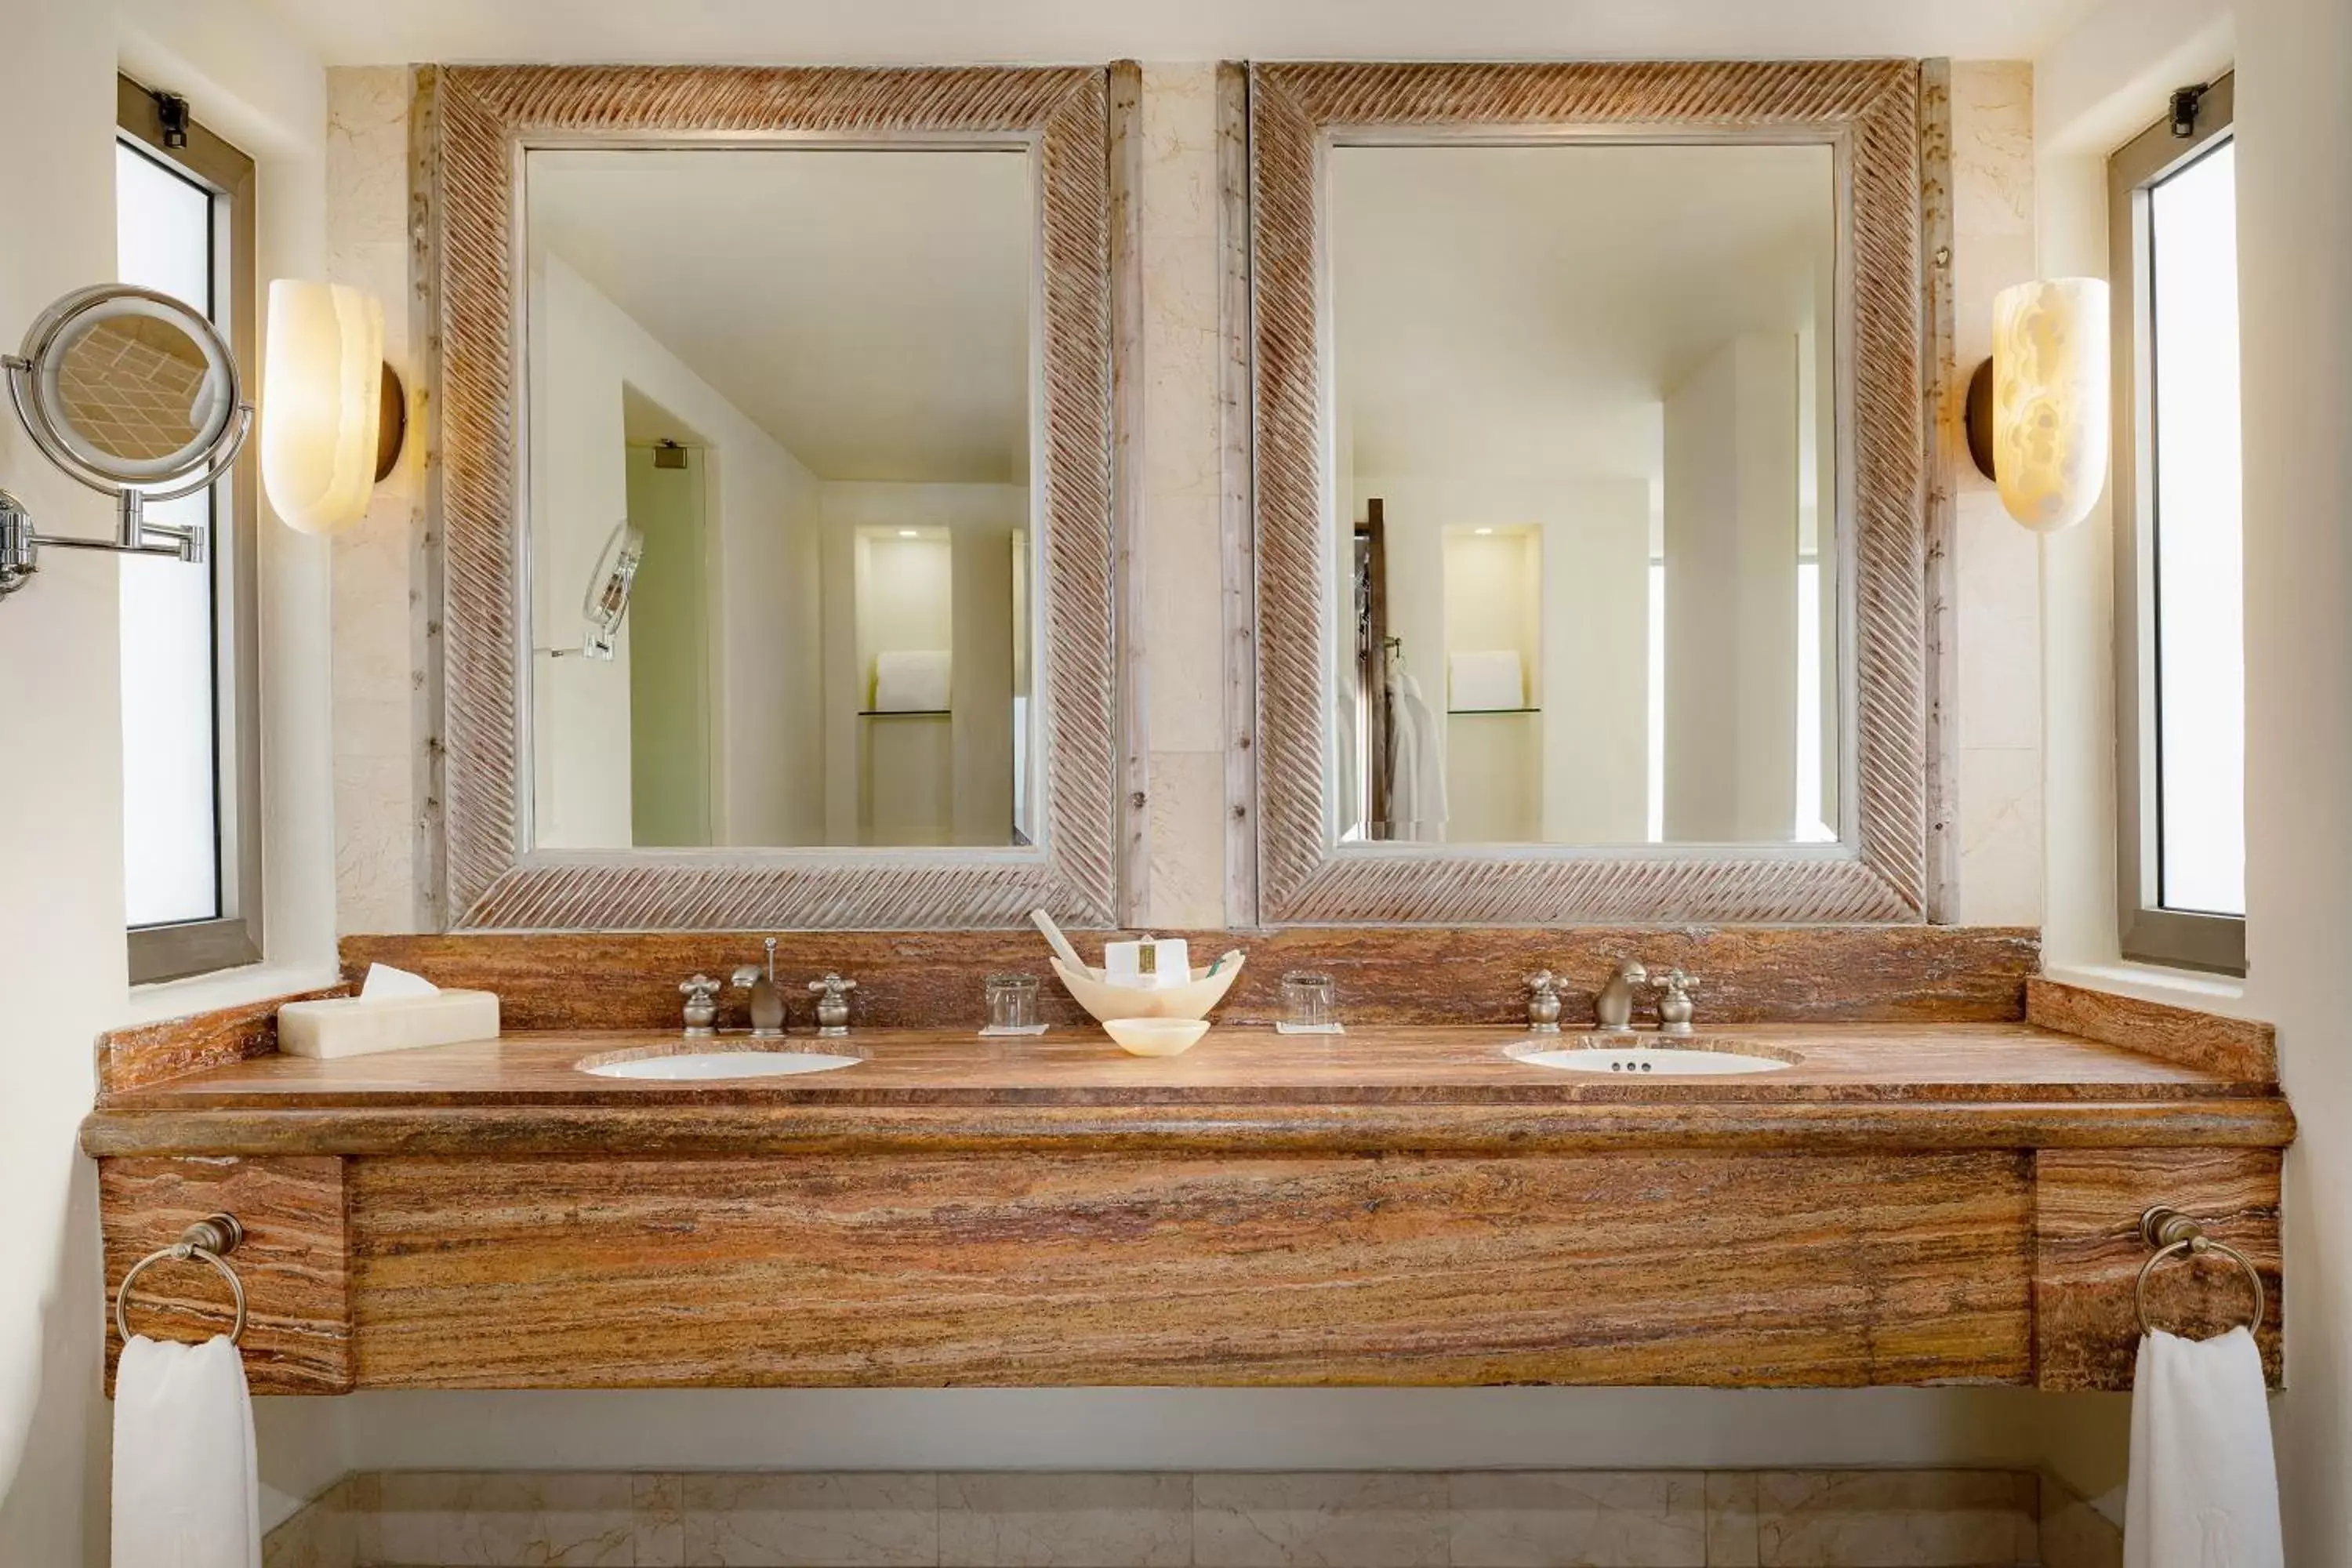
{"points": [[669, 649], [1494, 642], [905, 637], [921, 662]]}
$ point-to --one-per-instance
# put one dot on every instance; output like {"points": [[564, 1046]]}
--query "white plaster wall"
{"points": [[61, 955], [2294, 217], [62, 944]]}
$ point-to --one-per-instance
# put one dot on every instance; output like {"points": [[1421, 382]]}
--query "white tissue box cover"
{"points": [[350, 1026]]}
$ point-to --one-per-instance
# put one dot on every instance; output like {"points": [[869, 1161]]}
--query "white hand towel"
{"points": [[2204, 1489], [911, 680], [187, 1494], [1485, 680]]}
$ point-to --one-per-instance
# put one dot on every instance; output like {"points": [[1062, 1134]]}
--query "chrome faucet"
{"points": [[1612, 1010], [832, 1003], [1674, 1003], [1543, 1003], [767, 1002]]}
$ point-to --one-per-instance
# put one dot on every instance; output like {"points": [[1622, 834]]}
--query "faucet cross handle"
{"points": [[832, 995], [701, 994], [1674, 1004], [1543, 1003]]}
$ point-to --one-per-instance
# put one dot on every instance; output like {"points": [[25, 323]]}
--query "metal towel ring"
{"points": [[207, 1240], [2175, 1235]]}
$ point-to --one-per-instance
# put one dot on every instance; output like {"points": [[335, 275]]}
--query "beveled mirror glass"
{"points": [[1585, 427], [804, 377], [776, 442], [1591, 535]]}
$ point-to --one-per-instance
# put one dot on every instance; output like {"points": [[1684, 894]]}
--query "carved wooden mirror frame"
{"points": [[1868, 112], [480, 121]]}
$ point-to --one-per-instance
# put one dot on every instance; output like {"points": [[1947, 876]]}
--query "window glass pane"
{"points": [[2199, 581], [170, 788]]}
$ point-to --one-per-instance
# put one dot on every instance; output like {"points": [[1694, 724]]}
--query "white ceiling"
{"points": [[870, 311], [1520, 311], [349, 31]]}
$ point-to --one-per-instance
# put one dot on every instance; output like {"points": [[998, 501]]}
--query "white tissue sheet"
{"points": [[911, 680], [1486, 680], [383, 982]]}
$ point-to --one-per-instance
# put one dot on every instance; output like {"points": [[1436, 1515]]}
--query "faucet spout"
{"points": [[1612, 1010], [767, 1002]]}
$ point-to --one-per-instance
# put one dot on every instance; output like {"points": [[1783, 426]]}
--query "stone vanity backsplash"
{"points": [[1470, 1518]]}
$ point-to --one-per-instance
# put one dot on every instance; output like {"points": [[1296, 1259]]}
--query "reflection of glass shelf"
{"points": [[904, 713], [1474, 712]]}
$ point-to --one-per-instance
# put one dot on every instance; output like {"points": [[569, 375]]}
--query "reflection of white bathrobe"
{"points": [[1416, 765]]}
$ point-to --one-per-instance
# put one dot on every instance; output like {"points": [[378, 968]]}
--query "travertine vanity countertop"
{"points": [[1916, 1085]]}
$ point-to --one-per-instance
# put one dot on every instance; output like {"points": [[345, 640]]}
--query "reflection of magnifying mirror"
{"points": [[606, 603], [609, 586], [134, 393]]}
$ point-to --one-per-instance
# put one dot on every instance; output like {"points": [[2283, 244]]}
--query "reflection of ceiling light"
{"points": [[906, 533], [1481, 531]]}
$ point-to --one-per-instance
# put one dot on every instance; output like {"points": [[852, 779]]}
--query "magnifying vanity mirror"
{"points": [[135, 393]]}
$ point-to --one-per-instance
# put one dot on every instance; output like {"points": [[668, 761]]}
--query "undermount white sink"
{"points": [[690, 1066], [1687, 1058]]}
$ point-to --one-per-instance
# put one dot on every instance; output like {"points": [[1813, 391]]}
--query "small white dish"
{"points": [[1156, 1036]]}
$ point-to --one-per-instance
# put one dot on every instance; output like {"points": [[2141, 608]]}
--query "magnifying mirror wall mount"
{"points": [[216, 437]]}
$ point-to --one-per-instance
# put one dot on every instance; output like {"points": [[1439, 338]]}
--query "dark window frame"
{"points": [[234, 937], [2150, 933]]}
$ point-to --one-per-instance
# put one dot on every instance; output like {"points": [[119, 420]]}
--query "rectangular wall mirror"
{"points": [[776, 420], [1585, 410], [1590, 509], [798, 384]]}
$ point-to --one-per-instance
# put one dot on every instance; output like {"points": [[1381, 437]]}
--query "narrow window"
{"points": [[2180, 601], [191, 833]]}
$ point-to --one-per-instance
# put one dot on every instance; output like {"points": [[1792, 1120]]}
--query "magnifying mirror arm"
{"points": [[21, 543]]}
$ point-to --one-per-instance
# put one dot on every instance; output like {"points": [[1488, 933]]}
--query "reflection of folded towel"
{"points": [[911, 680], [1485, 680]]}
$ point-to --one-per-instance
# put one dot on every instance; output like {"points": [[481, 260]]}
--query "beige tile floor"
{"points": [[1515, 1519]]}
